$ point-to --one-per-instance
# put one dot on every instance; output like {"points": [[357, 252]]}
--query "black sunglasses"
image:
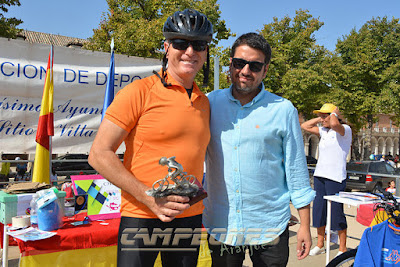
{"points": [[255, 66], [181, 44]]}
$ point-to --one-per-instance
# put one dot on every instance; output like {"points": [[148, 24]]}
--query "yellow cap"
{"points": [[326, 108]]}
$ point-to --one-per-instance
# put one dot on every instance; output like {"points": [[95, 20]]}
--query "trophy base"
{"points": [[201, 194], [189, 190]]}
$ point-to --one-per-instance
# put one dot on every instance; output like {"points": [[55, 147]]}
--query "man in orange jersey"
{"points": [[139, 116]]}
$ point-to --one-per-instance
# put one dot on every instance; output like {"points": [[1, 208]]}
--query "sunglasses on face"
{"points": [[181, 44], [255, 66], [324, 115]]}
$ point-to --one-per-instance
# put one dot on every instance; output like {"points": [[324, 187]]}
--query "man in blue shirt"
{"points": [[255, 166]]}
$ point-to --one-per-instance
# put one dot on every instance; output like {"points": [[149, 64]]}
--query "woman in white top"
{"points": [[330, 172]]}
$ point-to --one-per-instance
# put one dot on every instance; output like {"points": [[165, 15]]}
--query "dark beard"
{"points": [[246, 90]]}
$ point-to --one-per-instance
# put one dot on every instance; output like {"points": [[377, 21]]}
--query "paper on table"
{"points": [[361, 196], [31, 234]]}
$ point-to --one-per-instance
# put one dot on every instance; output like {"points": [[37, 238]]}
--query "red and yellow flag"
{"points": [[45, 129]]}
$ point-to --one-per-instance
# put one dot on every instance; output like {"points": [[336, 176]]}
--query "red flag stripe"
{"points": [[43, 131]]}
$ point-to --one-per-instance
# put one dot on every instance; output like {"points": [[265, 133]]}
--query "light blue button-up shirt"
{"points": [[255, 165]]}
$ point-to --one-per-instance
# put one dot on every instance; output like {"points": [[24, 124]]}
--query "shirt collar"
{"points": [[257, 98], [169, 79]]}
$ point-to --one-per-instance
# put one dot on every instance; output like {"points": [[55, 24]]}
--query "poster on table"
{"points": [[103, 198]]}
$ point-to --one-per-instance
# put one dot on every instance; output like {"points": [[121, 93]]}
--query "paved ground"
{"points": [[13, 256], [354, 230]]}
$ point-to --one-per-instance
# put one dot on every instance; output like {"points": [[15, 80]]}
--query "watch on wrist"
{"points": [[333, 113]]}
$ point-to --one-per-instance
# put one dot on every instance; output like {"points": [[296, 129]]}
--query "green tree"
{"points": [[8, 26], [367, 56], [391, 93], [136, 27], [298, 69]]}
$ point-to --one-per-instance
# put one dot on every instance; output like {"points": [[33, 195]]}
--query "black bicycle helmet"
{"points": [[188, 24]]}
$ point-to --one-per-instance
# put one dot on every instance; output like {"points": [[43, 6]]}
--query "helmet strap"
{"points": [[206, 69], [163, 70]]}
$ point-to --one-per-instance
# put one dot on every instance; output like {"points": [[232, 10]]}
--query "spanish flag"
{"points": [[45, 129]]}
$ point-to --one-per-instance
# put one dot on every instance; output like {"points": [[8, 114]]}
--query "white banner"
{"points": [[79, 83]]}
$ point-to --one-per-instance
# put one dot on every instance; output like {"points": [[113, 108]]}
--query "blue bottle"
{"points": [[49, 218], [49, 212]]}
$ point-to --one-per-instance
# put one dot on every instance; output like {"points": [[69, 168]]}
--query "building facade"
{"points": [[384, 140]]}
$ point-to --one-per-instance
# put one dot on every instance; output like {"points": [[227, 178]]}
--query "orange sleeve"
{"points": [[126, 108]]}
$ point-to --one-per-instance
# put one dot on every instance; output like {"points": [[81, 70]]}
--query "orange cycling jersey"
{"points": [[162, 122]]}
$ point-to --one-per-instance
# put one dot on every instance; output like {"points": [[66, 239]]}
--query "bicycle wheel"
{"points": [[190, 178], [345, 259], [160, 185]]}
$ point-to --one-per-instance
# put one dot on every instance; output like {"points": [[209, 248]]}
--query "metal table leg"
{"points": [[328, 229], [5, 246]]}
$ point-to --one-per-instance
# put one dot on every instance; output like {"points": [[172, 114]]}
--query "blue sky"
{"points": [[78, 18]]}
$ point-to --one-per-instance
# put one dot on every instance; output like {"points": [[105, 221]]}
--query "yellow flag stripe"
{"points": [[41, 166]]}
